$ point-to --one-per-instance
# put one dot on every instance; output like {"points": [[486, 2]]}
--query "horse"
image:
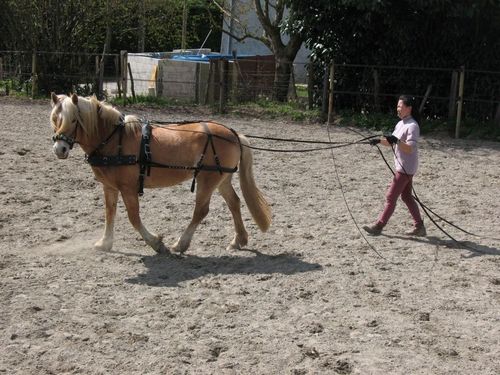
{"points": [[125, 157]]}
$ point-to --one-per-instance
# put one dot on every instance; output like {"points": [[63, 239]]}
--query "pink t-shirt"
{"points": [[407, 130]]}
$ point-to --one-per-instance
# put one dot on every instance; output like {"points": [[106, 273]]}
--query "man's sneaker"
{"points": [[374, 229], [418, 230]]}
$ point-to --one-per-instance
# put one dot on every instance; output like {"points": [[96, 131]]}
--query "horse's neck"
{"points": [[91, 143]]}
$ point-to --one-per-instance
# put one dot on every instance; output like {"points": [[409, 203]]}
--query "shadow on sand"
{"points": [[475, 249], [170, 270]]}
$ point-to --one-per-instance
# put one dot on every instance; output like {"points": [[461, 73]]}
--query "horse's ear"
{"points": [[54, 99], [74, 99]]}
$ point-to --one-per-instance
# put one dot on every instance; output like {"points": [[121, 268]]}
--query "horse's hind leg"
{"points": [[233, 202], [131, 200], [204, 192], [110, 200]]}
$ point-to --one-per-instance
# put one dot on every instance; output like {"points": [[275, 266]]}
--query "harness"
{"points": [[145, 159]]}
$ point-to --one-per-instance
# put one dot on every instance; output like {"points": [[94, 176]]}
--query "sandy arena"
{"points": [[310, 296]]}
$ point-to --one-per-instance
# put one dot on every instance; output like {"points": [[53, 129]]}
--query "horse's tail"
{"points": [[256, 203]]}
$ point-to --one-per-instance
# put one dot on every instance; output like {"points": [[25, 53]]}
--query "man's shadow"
{"points": [[170, 270], [475, 249]]}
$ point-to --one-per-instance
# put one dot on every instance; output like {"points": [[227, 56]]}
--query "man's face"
{"points": [[403, 110]]}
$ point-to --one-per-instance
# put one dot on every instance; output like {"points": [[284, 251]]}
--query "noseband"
{"points": [[61, 137], [69, 140]]}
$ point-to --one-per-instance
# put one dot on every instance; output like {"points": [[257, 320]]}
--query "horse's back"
{"points": [[183, 144]]}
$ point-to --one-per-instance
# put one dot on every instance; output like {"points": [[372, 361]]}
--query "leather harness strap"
{"points": [[145, 158]]}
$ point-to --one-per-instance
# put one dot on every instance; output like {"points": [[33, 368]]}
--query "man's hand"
{"points": [[392, 139]]}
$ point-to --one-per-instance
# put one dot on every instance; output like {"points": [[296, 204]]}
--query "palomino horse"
{"points": [[124, 158]]}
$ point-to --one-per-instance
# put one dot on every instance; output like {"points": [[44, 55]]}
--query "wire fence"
{"points": [[39, 73], [218, 80]]}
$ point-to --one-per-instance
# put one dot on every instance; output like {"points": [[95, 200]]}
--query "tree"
{"points": [[412, 33], [272, 15], [92, 27], [440, 33]]}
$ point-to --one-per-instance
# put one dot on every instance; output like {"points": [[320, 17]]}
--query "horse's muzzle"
{"points": [[61, 149]]}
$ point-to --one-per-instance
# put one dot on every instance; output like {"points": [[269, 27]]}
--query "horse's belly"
{"points": [[160, 177]]}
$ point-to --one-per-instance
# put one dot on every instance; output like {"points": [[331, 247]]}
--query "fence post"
{"points": [[234, 81], [124, 66], [376, 90], [310, 86], [132, 89], [222, 85], [460, 101], [324, 99], [1, 69], [96, 82], [34, 76], [197, 88], [117, 76], [159, 80], [452, 104], [330, 94], [497, 116], [211, 83], [426, 96]]}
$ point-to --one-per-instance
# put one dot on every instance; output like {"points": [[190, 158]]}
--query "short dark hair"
{"points": [[410, 101]]}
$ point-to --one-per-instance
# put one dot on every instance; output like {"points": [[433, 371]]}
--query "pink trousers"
{"points": [[401, 186]]}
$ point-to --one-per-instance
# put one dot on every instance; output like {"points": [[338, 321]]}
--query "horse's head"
{"points": [[65, 120]]}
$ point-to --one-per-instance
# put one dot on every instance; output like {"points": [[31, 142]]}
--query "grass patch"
{"points": [[373, 121], [265, 108], [150, 101]]}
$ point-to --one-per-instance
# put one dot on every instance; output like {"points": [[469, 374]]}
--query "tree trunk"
{"points": [[142, 27], [282, 79], [497, 117]]}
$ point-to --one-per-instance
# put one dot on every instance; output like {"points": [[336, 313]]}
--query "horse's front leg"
{"points": [[131, 200], [110, 200]]}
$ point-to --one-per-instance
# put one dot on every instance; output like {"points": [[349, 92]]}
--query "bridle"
{"points": [[70, 140], [62, 137]]}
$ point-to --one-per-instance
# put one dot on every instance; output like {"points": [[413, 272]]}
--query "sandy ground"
{"points": [[308, 297]]}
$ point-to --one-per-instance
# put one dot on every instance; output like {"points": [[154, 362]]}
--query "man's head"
{"points": [[405, 106]]}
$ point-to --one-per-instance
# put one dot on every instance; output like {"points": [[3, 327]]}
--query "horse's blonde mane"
{"points": [[89, 111]]}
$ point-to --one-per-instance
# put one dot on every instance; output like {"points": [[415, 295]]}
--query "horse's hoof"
{"points": [[178, 249], [163, 250], [158, 245], [102, 246], [238, 243], [233, 246]]}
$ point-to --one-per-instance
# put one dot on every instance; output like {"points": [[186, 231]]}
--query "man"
{"points": [[404, 140]]}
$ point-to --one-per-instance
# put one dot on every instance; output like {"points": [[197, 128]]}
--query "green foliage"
{"points": [[270, 109], [441, 33], [402, 33], [149, 101], [80, 26], [15, 87], [374, 121], [470, 129]]}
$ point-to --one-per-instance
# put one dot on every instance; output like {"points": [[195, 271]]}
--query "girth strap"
{"points": [[108, 161], [199, 165], [144, 156]]}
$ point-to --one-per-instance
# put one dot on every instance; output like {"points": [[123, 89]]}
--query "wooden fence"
{"points": [[443, 93]]}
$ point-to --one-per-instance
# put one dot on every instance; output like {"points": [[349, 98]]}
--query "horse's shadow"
{"points": [[475, 249], [170, 270]]}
